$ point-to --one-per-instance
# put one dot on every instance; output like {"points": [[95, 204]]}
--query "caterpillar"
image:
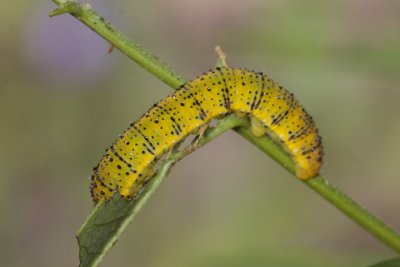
{"points": [[132, 158]]}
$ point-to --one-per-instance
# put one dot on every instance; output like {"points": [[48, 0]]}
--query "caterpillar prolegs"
{"points": [[130, 161]]}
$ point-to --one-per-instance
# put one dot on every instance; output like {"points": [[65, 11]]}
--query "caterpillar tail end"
{"points": [[304, 174], [306, 169]]}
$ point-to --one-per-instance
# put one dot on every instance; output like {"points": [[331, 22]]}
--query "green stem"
{"points": [[341, 201], [354, 211], [88, 16]]}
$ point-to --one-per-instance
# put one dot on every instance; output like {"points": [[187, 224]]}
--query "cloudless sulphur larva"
{"points": [[130, 161]]}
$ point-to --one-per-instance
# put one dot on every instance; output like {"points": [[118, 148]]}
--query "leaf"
{"points": [[388, 263], [109, 219]]}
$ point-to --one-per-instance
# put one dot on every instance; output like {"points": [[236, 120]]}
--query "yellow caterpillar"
{"points": [[130, 161]]}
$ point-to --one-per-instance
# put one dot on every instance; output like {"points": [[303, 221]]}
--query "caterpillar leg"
{"points": [[257, 127], [195, 142], [169, 151]]}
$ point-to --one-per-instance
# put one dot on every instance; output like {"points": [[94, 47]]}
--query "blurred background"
{"points": [[63, 100]]}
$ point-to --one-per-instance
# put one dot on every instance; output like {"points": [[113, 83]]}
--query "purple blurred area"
{"points": [[61, 54], [63, 100]]}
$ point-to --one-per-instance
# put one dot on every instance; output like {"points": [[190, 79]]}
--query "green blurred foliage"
{"points": [[63, 100], [388, 263]]}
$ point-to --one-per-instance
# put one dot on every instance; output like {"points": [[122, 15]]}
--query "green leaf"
{"points": [[388, 263], [109, 219]]}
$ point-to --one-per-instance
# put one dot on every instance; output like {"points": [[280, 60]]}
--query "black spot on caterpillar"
{"points": [[130, 161]]}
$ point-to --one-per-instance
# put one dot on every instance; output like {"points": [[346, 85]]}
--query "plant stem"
{"points": [[88, 16], [332, 194], [355, 212]]}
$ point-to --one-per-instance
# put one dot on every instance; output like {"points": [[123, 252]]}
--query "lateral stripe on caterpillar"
{"points": [[130, 161]]}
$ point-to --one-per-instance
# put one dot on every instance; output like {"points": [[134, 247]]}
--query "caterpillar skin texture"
{"points": [[130, 161]]}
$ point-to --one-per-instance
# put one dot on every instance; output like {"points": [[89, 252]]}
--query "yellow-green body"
{"points": [[130, 161]]}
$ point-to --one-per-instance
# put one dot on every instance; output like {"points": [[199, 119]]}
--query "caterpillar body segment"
{"points": [[131, 160]]}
